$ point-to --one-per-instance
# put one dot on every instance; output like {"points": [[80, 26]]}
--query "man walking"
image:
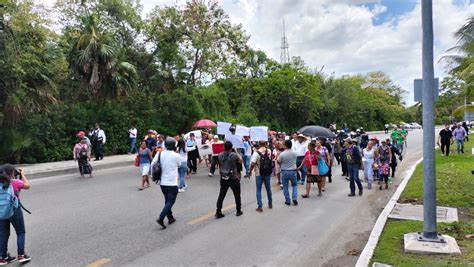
{"points": [[445, 139], [287, 161], [132, 133], [170, 162], [459, 134], [98, 140], [354, 159], [247, 155], [300, 147], [262, 163], [230, 178]]}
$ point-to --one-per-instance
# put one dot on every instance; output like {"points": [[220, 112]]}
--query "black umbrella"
{"points": [[317, 131]]}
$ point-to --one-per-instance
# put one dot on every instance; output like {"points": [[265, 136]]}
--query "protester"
{"points": [[459, 134], [82, 134], [385, 157], [81, 153], [393, 158], [182, 150], [132, 134], [353, 158], [262, 164], [193, 153], [400, 141], [326, 155], [9, 182], [98, 140], [464, 125], [369, 156], [445, 139], [150, 140], [215, 156], [170, 162], [337, 149], [300, 146], [247, 155], [386, 126], [230, 178], [394, 135], [145, 158], [279, 147], [287, 161], [311, 159]]}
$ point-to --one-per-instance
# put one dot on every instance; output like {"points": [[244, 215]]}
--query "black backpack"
{"points": [[226, 170], [266, 164], [156, 170]]}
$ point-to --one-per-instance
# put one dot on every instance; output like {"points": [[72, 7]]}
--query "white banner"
{"points": [[205, 150], [223, 128], [242, 130], [259, 133], [236, 140]]}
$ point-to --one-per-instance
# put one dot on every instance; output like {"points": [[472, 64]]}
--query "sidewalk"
{"points": [[42, 170]]}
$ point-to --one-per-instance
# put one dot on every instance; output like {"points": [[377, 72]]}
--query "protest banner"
{"points": [[223, 128], [259, 133], [236, 140], [204, 150], [242, 130]]}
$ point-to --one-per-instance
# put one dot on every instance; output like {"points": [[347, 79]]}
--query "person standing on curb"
{"points": [[132, 133], [353, 165], [170, 162], [7, 180], [262, 163], [230, 178], [445, 138], [287, 161], [98, 140]]}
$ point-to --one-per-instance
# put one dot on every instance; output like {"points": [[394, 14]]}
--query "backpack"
{"points": [[266, 164], [8, 203], [226, 170], [156, 170]]}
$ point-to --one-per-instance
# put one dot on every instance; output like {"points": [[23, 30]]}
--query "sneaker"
{"points": [[287, 203], [172, 220], [210, 174], [295, 202], [23, 258], [239, 213], [162, 223], [7, 260], [259, 210], [219, 215], [360, 192], [270, 206], [351, 195], [179, 190]]}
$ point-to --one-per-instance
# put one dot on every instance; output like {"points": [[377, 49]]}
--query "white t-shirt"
{"points": [[133, 133], [300, 148], [170, 162]]}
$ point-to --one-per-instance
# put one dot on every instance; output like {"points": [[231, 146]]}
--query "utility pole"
{"points": [[284, 55]]}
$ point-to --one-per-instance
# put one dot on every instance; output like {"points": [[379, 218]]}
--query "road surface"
{"points": [[106, 220]]}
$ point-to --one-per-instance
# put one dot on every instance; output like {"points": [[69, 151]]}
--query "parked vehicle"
{"points": [[407, 126], [415, 125]]}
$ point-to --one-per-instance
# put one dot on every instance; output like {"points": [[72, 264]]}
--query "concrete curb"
{"points": [[369, 248], [73, 170]]}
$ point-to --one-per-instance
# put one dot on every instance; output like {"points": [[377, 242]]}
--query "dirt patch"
{"points": [[466, 214], [352, 250]]}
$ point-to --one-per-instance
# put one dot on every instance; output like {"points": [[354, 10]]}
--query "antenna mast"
{"points": [[285, 55]]}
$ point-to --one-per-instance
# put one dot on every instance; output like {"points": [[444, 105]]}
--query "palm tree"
{"points": [[93, 55]]}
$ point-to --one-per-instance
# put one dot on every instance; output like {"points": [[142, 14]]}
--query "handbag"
{"points": [[322, 167], [137, 161]]}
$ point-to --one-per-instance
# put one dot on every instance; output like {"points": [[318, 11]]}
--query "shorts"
{"points": [[145, 167]]}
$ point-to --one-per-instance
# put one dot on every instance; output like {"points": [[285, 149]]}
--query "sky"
{"points": [[347, 36]]}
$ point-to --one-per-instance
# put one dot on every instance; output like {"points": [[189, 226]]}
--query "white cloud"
{"points": [[340, 35]]}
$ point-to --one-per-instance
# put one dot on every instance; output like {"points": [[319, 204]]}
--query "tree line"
{"points": [[67, 67]]}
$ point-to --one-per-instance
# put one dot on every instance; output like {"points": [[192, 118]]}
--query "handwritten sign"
{"points": [[223, 128], [242, 130], [259, 133], [236, 140], [196, 133]]}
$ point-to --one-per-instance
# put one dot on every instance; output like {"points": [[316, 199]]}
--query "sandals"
{"points": [[304, 196]]}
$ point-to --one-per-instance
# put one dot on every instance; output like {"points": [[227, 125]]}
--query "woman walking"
{"points": [[385, 155], [325, 156], [82, 154], [368, 158], [145, 155], [182, 150], [7, 181], [311, 162]]}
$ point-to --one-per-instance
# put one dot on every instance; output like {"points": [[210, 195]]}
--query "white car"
{"points": [[415, 125], [407, 126]]}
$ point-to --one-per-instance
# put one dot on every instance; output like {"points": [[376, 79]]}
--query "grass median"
{"points": [[454, 188]]}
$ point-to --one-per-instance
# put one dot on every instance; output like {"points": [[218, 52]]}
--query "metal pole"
{"points": [[429, 174]]}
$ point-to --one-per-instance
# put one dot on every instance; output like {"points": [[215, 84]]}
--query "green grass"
{"points": [[455, 188]]}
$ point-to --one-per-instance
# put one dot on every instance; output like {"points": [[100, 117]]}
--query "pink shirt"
{"points": [[17, 186]]}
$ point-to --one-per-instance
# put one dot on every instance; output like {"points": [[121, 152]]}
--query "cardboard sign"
{"points": [[204, 150], [217, 148], [242, 130], [259, 133], [236, 140], [223, 128], [196, 133]]}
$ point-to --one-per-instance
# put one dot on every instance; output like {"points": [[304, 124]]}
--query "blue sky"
{"points": [[395, 8]]}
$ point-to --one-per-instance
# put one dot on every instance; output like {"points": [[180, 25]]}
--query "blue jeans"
{"points": [[182, 174], [247, 164], [354, 177], [19, 224], [170, 193], [133, 142], [286, 177], [259, 181], [460, 145], [301, 177], [369, 172]]}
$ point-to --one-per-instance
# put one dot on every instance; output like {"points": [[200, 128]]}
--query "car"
{"points": [[407, 126], [415, 125]]}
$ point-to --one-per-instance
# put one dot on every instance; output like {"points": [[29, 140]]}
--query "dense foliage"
{"points": [[164, 70]]}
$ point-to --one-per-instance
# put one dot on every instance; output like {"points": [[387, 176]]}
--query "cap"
{"points": [[81, 133], [374, 138]]}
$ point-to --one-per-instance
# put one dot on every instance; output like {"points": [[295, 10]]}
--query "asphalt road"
{"points": [[106, 219]]}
